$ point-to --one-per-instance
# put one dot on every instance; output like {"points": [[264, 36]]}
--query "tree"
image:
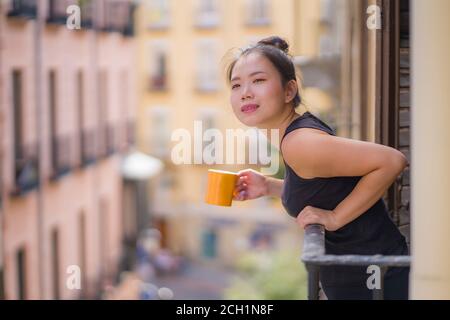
{"points": [[269, 275]]}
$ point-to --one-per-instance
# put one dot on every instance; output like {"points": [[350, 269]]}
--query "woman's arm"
{"points": [[274, 187], [311, 154]]}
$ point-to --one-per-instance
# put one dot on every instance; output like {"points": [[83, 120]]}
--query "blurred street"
{"points": [[195, 281]]}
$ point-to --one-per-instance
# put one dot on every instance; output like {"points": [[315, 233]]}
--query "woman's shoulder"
{"points": [[297, 148]]}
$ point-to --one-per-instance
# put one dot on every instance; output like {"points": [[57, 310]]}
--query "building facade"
{"points": [[66, 117]]}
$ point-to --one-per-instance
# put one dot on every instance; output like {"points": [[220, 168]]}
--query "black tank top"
{"points": [[373, 232]]}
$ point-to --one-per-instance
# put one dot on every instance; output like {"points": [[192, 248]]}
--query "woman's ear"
{"points": [[290, 91]]}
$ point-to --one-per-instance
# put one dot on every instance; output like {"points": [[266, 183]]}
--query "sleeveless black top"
{"points": [[371, 233]]}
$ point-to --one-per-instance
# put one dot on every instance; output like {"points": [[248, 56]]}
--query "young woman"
{"points": [[329, 180]]}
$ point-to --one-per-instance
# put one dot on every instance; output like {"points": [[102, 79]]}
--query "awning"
{"points": [[140, 166]]}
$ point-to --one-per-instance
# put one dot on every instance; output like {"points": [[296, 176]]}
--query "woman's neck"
{"points": [[281, 125]]}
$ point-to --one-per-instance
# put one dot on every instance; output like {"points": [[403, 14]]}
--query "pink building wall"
{"points": [[82, 190]]}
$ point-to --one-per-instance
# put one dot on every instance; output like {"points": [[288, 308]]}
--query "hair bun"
{"points": [[275, 42]]}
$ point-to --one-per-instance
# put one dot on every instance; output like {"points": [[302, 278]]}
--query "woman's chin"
{"points": [[250, 121]]}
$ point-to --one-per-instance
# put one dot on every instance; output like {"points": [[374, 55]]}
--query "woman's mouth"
{"points": [[249, 108]]}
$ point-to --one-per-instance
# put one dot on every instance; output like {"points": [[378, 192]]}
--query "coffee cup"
{"points": [[220, 187]]}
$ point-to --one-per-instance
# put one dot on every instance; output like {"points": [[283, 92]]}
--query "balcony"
{"points": [[88, 148], [314, 256], [26, 171], [87, 13], [23, 9], [118, 17], [57, 12], [61, 156], [128, 30]]}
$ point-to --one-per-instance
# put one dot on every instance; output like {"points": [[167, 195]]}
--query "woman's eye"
{"points": [[259, 80], [234, 86]]}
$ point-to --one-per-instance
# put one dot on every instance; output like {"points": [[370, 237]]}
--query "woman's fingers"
{"points": [[240, 196]]}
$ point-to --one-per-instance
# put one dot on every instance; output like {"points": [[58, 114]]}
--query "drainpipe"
{"points": [[2, 230], [40, 138]]}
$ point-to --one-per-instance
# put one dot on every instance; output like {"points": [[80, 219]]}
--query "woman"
{"points": [[332, 181]]}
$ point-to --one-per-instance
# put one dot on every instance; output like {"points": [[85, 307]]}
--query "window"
{"points": [[158, 65], [2, 283], [159, 14], [80, 111], [209, 243], [17, 97], [25, 154], [207, 65], [207, 14], [258, 12], [82, 249], [55, 264], [87, 12], [52, 100], [57, 11], [208, 115], [102, 111], [103, 237], [21, 263], [124, 106], [160, 134]]}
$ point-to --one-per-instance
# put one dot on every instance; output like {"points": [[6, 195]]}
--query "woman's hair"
{"points": [[276, 50]]}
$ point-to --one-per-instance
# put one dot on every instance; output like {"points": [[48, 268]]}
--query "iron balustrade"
{"points": [[26, 169], [314, 256], [23, 8]]}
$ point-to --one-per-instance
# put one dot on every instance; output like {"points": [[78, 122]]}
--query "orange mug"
{"points": [[220, 188]]}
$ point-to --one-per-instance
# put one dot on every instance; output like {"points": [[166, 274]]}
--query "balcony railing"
{"points": [[314, 256], [23, 9], [87, 13], [26, 171], [88, 147], [61, 156], [128, 30], [118, 17], [57, 12]]}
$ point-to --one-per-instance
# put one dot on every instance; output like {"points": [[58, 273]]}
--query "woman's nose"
{"points": [[246, 93]]}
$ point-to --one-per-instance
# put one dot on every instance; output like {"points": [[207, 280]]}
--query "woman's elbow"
{"points": [[398, 161]]}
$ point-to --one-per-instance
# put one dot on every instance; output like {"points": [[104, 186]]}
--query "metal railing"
{"points": [[314, 256], [26, 167], [23, 8]]}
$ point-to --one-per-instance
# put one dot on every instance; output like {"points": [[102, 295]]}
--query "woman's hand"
{"points": [[312, 215], [250, 185]]}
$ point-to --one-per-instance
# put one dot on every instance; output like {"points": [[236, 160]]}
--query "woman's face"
{"points": [[257, 95]]}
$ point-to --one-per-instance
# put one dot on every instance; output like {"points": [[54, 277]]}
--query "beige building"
{"points": [[66, 115], [355, 59]]}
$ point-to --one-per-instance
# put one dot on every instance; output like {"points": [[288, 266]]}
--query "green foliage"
{"points": [[269, 276]]}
